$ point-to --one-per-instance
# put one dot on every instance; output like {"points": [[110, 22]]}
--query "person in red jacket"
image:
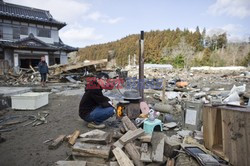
{"points": [[94, 107]]}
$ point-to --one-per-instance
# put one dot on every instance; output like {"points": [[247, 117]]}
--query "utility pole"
{"points": [[141, 65]]}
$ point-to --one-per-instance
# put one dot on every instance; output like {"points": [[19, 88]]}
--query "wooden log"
{"points": [[71, 163], [146, 152], [121, 157], [75, 135], [91, 150], [158, 147], [127, 122], [134, 154], [57, 142]]}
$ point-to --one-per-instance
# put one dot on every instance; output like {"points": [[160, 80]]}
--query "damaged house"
{"points": [[28, 33]]}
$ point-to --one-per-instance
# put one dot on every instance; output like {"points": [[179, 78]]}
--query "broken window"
{"points": [[41, 32]]}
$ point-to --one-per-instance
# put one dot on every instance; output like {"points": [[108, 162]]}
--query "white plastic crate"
{"points": [[29, 101]]}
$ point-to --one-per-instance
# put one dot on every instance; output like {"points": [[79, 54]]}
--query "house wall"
{"points": [[8, 55], [32, 28], [63, 58]]}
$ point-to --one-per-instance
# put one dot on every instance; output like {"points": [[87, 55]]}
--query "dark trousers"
{"points": [[99, 114], [43, 77]]}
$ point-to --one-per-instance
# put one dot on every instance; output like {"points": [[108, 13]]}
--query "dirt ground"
{"points": [[24, 146]]}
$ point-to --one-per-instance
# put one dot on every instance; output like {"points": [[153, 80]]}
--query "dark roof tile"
{"points": [[27, 13]]}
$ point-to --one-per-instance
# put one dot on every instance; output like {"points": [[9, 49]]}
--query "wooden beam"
{"points": [[127, 122], [121, 157], [131, 135], [91, 150], [158, 147], [134, 154], [102, 139]]}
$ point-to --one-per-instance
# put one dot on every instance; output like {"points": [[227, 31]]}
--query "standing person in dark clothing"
{"points": [[94, 106], [43, 69]]}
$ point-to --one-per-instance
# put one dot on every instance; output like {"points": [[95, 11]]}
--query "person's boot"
{"points": [[96, 126]]}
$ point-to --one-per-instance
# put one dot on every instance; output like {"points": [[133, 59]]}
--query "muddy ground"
{"points": [[24, 146]]}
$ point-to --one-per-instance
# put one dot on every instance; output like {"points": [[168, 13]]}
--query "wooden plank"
{"points": [[131, 135], [146, 153], [226, 134], [121, 157], [92, 150], [209, 123], [127, 122], [134, 154], [71, 163], [145, 138], [93, 133], [158, 147], [118, 144], [103, 139], [57, 142], [74, 136]]}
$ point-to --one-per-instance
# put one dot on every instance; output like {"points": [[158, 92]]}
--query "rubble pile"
{"points": [[133, 146], [74, 73]]}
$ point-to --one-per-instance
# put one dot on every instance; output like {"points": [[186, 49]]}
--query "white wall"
{"points": [[8, 55], [55, 35], [8, 32], [63, 58]]}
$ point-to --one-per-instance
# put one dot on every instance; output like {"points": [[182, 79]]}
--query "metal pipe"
{"points": [[141, 65]]}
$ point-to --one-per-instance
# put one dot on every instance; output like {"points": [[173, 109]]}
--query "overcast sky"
{"points": [[99, 21]]}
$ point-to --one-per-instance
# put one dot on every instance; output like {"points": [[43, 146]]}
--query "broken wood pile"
{"points": [[131, 146], [24, 76], [134, 147], [57, 73], [59, 69]]}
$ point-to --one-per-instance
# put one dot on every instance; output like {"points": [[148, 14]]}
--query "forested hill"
{"points": [[167, 46]]}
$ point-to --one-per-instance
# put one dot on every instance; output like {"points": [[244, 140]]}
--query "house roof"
{"points": [[18, 12], [34, 43]]}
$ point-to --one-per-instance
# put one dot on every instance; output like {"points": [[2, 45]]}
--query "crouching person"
{"points": [[94, 107]]}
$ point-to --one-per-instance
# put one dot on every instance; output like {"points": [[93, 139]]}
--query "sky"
{"points": [[99, 21]]}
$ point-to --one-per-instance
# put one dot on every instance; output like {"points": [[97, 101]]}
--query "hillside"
{"points": [[181, 48]]}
